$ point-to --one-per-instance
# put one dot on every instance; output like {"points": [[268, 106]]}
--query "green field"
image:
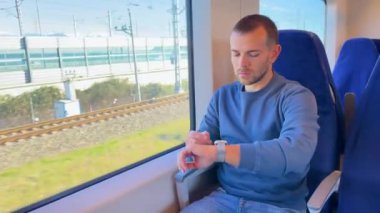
{"points": [[42, 178]]}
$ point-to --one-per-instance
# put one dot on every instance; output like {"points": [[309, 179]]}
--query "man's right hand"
{"points": [[199, 138]]}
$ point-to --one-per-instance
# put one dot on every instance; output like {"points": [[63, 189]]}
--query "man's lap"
{"points": [[219, 201]]}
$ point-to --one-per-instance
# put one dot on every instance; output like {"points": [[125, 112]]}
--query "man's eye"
{"points": [[254, 55]]}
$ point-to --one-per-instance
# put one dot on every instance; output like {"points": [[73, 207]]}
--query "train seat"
{"points": [[377, 43], [359, 182], [303, 59], [354, 66]]}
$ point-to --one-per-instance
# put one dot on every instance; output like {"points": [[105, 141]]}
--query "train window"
{"points": [[43, 58], [87, 88], [120, 55], [97, 56], [297, 14], [12, 60]]}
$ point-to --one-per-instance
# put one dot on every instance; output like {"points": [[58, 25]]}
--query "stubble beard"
{"points": [[254, 79]]}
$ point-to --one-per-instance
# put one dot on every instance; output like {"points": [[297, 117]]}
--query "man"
{"points": [[269, 124]]}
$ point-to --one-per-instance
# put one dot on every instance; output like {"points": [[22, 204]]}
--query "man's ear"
{"points": [[276, 50]]}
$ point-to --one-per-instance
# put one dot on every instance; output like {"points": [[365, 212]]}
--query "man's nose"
{"points": [[243, 61]]}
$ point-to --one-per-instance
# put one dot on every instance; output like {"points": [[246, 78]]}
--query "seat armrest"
{"points": [[326, 188], [181, 177], [194, 184]]}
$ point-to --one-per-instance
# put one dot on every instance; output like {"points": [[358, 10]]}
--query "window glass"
{"points": [[97, 56], [296, 14], [73, 57], [12, 60], [43, 58], [120, 55], [97, 86]]}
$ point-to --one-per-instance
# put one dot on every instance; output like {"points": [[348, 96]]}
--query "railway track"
{"points": [[55, 125]]}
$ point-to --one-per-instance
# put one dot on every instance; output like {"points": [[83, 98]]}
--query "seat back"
{"points": [[354, 66], [360, 182], [304, 59], [377, 43]]}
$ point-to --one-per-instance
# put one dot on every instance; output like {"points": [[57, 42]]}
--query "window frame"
{"points": [[75, 189]]}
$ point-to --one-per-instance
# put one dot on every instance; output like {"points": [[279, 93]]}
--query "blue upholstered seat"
{"points": [[377, 43], [359, 189], [354, 66], [303, 59]]}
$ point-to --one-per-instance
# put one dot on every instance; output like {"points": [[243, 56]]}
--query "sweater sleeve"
{"points": [[210, 121], [293, 150]]}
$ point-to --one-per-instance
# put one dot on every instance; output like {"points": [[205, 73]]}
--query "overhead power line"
{"points": [[19, 15]]}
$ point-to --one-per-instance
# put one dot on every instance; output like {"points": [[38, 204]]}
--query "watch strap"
{"points": [[221, 150]]}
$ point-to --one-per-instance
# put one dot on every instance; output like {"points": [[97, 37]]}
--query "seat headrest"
{"points": [[304, 59], [354, 66]]}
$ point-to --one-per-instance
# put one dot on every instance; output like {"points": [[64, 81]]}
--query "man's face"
{"points": [[251, 56]]}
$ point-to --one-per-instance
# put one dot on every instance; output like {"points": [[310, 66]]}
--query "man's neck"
{"points": [[261, 84]]}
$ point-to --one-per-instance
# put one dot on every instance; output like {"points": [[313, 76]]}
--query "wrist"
{"points": [[214, 153], [233, 154]]}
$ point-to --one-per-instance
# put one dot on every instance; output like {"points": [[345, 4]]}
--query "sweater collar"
{"points": [[263, 90]]}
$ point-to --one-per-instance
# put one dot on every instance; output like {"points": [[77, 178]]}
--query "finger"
{"points": [[197, 161], [189, 166], [190, 142], [191, 133], [202, 151], [195, 135], [193, 164], [183, 165], [189, 146], [181, 160], [206, 134], [201, 138]]}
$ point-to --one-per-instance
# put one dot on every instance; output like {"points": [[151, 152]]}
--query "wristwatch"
{"points": [[221, 150]]}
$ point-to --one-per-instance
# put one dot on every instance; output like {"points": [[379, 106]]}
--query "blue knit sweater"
{"points": [[277, 130]]}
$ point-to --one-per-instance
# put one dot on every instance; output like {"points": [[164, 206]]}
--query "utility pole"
{"points": [[109, 23], [19, 16], [129, 31], [32, 108], [75, 26], [38, 18], [176, 55]]}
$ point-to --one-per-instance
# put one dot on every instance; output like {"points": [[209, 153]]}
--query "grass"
{"points": [[42, 178]]}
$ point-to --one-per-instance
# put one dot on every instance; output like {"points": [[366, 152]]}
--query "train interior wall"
{"points": [[347, 19]]}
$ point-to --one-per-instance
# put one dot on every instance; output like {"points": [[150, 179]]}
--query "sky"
{"points": [[296, 14], [56, 16], [151, 18]]}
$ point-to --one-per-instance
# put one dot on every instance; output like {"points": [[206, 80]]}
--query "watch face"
{"points": [[220, 142]]}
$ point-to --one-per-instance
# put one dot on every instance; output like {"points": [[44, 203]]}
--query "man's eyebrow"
{"points": [[253, 51], [249, 51]]}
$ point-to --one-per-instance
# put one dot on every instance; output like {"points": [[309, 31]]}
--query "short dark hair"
{"points": [[252, 22]]}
